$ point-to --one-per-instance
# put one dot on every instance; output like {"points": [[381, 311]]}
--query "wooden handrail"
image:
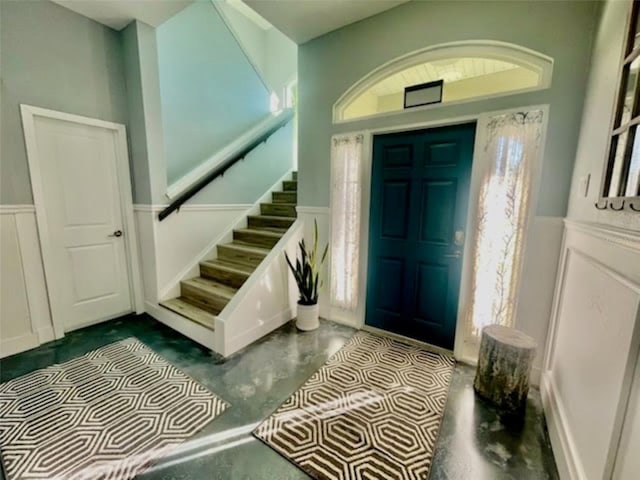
{"points": [[223, 166]]}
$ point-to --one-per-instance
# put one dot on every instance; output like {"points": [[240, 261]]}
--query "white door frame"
{"points": [[29, 113], [462, 350]]}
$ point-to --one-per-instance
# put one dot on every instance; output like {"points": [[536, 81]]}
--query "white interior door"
{"points": [[87, 264]]}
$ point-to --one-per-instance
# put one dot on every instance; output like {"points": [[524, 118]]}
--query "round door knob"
{"points": [[117, 233]]}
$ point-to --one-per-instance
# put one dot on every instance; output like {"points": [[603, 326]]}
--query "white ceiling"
{"points": [[450, 70], [248, 12], [118, 14], [302, 20]]}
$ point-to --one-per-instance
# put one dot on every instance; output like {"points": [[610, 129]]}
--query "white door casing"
{"points": [[464, 348], [82, 193]]}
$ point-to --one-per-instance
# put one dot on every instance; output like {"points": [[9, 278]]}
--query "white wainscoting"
{"points": [[170, 250], [25, 319], [265, 301], [592, 350]]}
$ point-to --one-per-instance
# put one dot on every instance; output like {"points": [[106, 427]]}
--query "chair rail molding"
{"points": [[13, 209]]}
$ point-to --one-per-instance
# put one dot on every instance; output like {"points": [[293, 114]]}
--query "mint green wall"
{"points": [[329, 65], [210, 92], [250, 178], [53, 58]]}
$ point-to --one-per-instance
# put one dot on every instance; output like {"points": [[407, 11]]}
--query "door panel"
{"points": [[419, 195], [441, 154], [83, 210], [390, 295], [395, 209], [438, 209], [430, 303]]}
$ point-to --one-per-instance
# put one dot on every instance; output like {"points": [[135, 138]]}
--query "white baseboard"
{"points": [[562, 442], [342, 320], [46, 334], [11, 346], [247, 337]]}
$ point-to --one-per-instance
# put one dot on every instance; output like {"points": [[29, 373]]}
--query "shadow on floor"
{"points": [[475, 443]]}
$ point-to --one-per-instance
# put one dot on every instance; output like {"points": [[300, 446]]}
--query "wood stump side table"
{"points": [[504, 367]]}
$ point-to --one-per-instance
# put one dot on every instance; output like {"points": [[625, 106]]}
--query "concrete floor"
{"points": [[474, 442]]}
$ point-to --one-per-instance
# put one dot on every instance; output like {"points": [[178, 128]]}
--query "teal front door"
{"points": [[419, 196]]}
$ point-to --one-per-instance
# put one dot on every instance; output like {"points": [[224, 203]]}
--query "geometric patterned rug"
{"points": [[373, 411], [105, 415]]}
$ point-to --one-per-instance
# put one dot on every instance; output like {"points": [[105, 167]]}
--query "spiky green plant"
{"points": [[307, 269]]}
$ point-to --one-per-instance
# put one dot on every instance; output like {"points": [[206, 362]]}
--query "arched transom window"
{"points": [[468, 71]]}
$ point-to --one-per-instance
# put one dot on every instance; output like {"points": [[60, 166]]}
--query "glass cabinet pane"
{"points": [[618, 147], [634, 169], [628, 90], [635, 32]]}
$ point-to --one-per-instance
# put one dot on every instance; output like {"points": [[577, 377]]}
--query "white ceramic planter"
{"points": [[308, 317]]}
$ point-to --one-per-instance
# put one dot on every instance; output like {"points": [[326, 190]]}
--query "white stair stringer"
{"points": [[230, 334], [209, 252], [265, 302]]}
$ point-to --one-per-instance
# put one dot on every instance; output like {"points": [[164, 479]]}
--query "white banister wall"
{"points": [[265, 301], [256, 131]]}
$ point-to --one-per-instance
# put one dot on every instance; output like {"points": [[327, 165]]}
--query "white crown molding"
{"points": [[13, 209], [140, 207], [620, 236]]}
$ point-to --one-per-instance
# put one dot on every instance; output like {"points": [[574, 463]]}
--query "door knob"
{"points": [[117, 233], [458, 238]]}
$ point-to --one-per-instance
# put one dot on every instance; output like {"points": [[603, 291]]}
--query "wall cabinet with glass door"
{"points": [[620, 188]]}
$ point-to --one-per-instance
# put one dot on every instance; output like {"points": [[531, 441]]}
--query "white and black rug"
{"points": [[105, 415], [373, 411]]}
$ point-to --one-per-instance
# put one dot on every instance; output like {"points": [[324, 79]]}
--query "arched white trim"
{"points": [[509, 52]]}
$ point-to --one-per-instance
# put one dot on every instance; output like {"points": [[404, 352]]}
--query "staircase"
{"points": [[202, 298]]}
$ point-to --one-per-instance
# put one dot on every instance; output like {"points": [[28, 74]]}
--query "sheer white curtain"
{"points": [[511, 151], [346, 168]]}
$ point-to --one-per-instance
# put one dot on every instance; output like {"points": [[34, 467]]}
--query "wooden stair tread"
{"points": [[234, 267], [279, 209], [279, 205], [274, 217], [284, 197], [247, 248], [290, 185], [257, 231], [279, 231], [183, 307], [211, 287]]}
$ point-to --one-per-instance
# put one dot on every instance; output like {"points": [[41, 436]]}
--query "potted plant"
{"points": [[307, 275]]}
